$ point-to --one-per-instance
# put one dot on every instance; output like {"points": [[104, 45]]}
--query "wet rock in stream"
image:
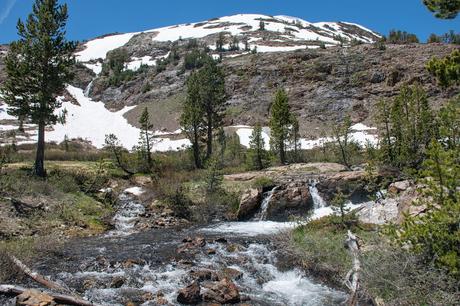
{"points": [[161, 267]]}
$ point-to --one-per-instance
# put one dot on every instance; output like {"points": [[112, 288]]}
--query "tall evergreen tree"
{"points": [[222, 140], [220, 42], [146, 140], [212, 99], [280, 123], [38, 66], [412, 127], [258, 156], [192, 117]]}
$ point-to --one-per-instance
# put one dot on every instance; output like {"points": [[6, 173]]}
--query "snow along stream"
{"points": [[144, 267]]}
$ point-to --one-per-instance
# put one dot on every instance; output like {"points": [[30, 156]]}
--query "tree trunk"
{"points": [[40, 156], [149, 155], [196, 149], [352, 278], [10, 290], [282, 152], [35, 276], [209, 140]]}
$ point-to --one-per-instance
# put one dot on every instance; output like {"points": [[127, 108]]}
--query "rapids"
{"points": [[128, 266]]}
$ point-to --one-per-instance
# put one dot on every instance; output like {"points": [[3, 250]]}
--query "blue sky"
{"points": [[90, 18]]}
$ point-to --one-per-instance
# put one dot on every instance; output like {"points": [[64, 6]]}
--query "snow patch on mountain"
{"points": [[292, 28]]}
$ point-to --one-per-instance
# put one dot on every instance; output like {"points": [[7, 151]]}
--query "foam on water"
{"points": [[127, 214]]}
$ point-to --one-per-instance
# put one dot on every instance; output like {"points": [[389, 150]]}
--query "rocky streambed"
{"points": [[220, 263]]}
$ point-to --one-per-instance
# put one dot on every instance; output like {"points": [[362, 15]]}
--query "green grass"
{"points": [[388, 272]]}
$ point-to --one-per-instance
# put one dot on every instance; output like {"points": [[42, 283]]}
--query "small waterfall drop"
{"points": [[266, 201], [88, 89], [318, 201]]}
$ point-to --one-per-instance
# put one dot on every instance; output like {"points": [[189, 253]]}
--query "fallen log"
{"points": [[36, 276], [352, 277], [13, 291]]}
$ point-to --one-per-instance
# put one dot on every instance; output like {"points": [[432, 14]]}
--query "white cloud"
{"points": [[6, 9]]}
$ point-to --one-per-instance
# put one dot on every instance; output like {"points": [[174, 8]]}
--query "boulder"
{"points": [[34, 298], [142, 180], [222, 292], [230, 273], [249, 203], [190, 295], [191, 245], [350, 182], [117, 282], [398, 187], [381, 212], [293, 198], [203, 275]]}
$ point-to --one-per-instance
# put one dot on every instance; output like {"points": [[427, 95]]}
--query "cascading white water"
{"points": [[318, 201], [128, 212], [266, 201], [88, 88]]}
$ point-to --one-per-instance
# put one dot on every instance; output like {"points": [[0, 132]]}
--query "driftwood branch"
{"points": [[10, 290], [69, 299], [352, 278], [36, 276]]}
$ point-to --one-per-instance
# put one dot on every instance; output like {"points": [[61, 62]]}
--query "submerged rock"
{"points": [[190, 295], [203, 275], [223, 292], [34, 298], [230, 273]]}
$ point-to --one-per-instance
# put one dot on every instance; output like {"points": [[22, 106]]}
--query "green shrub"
{"points": [[263, 182]]}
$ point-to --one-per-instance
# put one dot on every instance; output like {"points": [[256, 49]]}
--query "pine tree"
{"points": [[220, 42], [262, 25], [234, 147], [446, 70], [280, 123], [342, 137], [145, 140], [192, 117], [214, 177], [203, 107], [257, 155], [383, 118], [222, 140], [339, 206], [235, 44], [436, 233], [212, 99], [38, 66], [444, 9], [412, 127]]}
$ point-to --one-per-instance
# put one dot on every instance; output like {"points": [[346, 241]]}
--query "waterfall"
{"points": [[264, 207], [88, 89], [318, 201]]}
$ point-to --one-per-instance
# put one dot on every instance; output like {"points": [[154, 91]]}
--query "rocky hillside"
{"points": [[323, 84], [328, 69]]}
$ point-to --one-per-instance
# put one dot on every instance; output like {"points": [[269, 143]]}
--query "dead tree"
{"points": [[352, 278]]}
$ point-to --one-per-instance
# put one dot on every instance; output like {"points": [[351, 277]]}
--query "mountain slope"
{"points": [[323, 84], [290, 31]]}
